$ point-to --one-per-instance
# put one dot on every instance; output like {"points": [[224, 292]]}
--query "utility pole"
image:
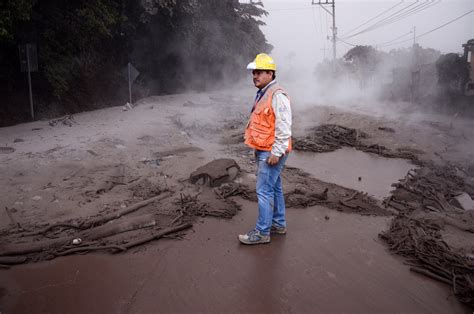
{"points": [[333, 14]]}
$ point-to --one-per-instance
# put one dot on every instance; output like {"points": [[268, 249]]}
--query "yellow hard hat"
{"points": [[262, 62]]}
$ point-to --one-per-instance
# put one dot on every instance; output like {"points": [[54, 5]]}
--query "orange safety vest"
{"points": [[260, 132]]}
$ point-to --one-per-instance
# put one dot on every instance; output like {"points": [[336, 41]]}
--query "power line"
{"points": [[411, 12], [321, 28], [314, 19], [445, 24], [345, 42], [391, 42], [346, 45], [327, 25], [373, 18], [399, 15], [320, 31], [384, 19], [417, 8], [315, 25], [397, 38], [332, 13], [434, 29], [287, 9]]}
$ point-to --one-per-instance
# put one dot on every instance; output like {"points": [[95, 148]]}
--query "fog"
{"points": [[302, 28], [301, 35]]}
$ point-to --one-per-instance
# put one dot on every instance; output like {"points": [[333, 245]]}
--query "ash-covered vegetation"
{"points": [[84, 47]]}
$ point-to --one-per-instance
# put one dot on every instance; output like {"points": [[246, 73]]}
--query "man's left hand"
{"points": [[273, 160]]}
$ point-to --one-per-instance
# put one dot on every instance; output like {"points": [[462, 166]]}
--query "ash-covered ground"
{"points": [[95, 205]]}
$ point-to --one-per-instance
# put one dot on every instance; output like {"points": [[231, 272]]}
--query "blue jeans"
{"points": [[271, 202]]}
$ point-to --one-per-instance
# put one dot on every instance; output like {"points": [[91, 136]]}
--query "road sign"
{"points": [[133, 72], [28, 55]]}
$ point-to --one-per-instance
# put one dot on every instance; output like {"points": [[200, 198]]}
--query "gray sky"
{"points": [[299, 28]]}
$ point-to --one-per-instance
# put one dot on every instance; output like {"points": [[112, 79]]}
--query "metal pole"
{"points": [[29, 80], [334, 30], [129, 84]]}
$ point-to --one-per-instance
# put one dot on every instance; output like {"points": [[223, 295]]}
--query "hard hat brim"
{"points": [[252, 66]]}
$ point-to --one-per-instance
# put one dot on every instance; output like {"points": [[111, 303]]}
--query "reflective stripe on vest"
{"points": [[260, 131]]}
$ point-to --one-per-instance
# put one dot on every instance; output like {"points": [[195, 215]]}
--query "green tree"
{"points": [[13, 12]]}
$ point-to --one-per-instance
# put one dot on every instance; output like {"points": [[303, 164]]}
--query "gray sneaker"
{"points": [[277, 229], [254, 237]]}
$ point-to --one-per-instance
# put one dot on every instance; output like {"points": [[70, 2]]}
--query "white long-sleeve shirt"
{"points": [[282, 109]]}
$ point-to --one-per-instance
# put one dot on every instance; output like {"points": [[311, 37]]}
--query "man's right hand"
{"points": [[273, 160]]}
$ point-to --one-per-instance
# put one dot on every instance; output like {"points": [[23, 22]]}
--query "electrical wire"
{"points": [[392, 42], [432, 30], [345, 42], [321, 32], [399, 15], [411, 12], [321, 25], [401, 11], [288, 9], [327, 26], [354, 45], [373, 18], [346, 45], [315, 27], [395, 39], [314, 23]]}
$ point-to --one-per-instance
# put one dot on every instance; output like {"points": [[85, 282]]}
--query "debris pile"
{"points": [[67, 120], [330, 137], [430, 188], [192, 206], [421, 243], [227, 190], [115, 231], [425, 200], [6, 150], [159, 213], [301, 198], [303, 191], [216, 172]]}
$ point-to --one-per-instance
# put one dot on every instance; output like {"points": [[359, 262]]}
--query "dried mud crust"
{"points": [[330, 137], [424, 200]]}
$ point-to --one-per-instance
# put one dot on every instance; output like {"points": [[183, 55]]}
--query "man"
{"points": [[269, 133]]}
